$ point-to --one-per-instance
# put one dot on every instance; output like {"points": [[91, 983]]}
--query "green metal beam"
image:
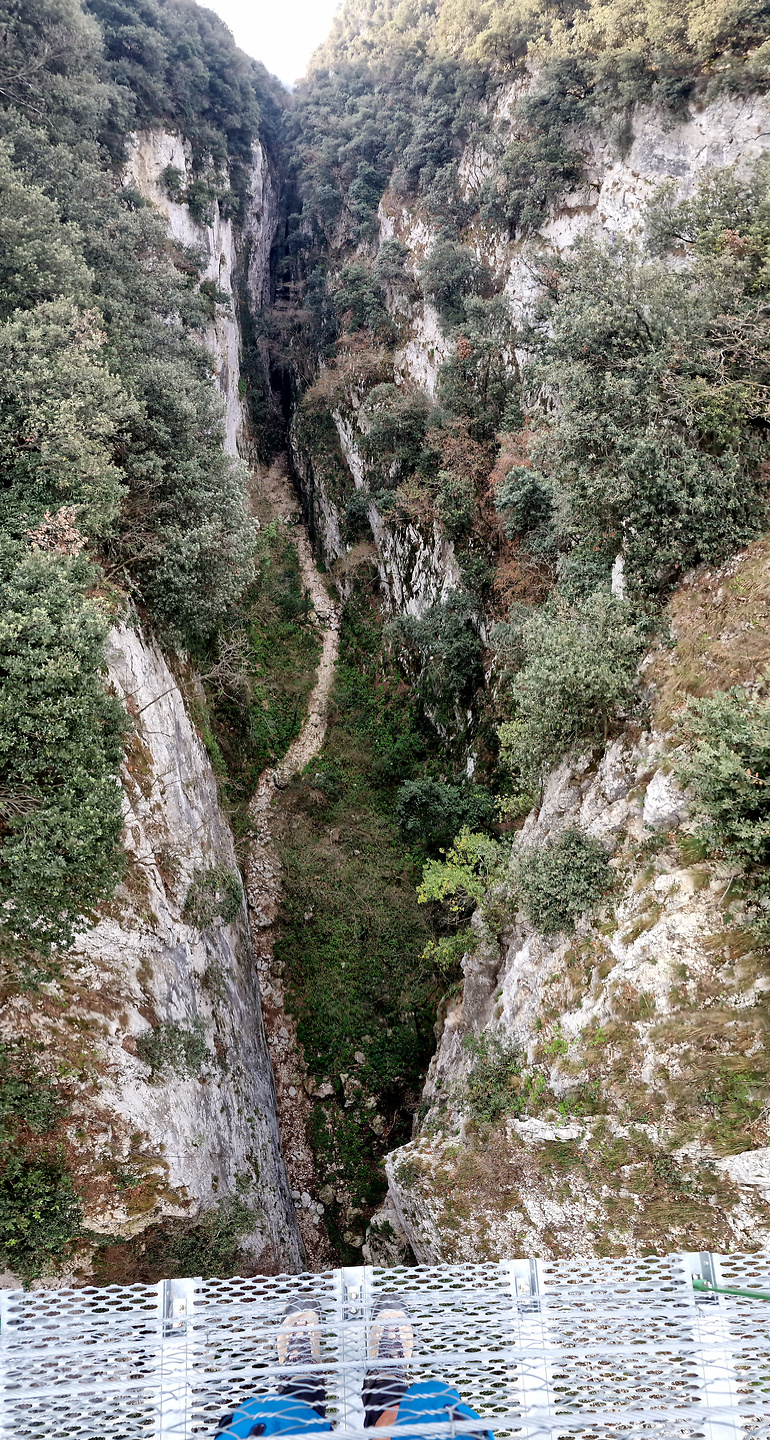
{"points": [[699, 1284]]}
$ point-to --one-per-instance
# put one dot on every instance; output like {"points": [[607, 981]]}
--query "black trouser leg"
{"points": [[310, 1388], [382, 1390]]}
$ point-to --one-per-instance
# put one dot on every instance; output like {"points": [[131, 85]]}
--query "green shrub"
{"points": [[429, 813], [472, 865], [61, 744], [455, 503], [359, 302], [450, 273], [28, 1102], [396, 420], [180, 1048], [653, 448], [390, 265], [446, 953], [728, 771], [526, 502], [216, 893], [579, 674], [61, 415], [494, 1085], [207, 1246], [441, 652], [533, 174], [478, 382], [356, 518], [171, 178], [563, 879], [40, 1215]]}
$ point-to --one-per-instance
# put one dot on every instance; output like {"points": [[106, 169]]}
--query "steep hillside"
{"points": [[493, 285], [522, 306], [139, 1130]]}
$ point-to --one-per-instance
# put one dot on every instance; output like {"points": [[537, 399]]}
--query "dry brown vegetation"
{"points": [[720, 619]]}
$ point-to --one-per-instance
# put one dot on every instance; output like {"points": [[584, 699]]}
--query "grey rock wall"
{"points": [[144, 1147]]}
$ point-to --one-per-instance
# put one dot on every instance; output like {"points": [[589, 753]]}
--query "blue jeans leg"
{"points": [[272, 1415]]}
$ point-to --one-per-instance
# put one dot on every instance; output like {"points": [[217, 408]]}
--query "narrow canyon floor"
{"points": [[263, 875]]}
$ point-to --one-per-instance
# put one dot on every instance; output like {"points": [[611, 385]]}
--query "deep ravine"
{"points": [[263, 876]]}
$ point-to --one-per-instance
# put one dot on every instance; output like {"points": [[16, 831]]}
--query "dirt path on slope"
{"points": [[263, 879]]}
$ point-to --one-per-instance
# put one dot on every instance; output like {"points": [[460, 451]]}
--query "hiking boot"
{"points": [[299, 1351], [391, 1340]]}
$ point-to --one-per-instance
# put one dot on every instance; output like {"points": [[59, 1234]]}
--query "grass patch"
{"points": [[258, 684], [722, 627], [210, 1245], [40, 1214], [360, 977]]}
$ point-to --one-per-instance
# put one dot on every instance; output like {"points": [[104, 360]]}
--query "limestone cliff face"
{"points": [[643, 1007], [150, 1143], [154, 1029], [415, 559], [237, 259], [645, 1028]]}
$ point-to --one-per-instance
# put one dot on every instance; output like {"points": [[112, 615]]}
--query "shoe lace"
{"points": [[391, 1345], [299, 1350]]}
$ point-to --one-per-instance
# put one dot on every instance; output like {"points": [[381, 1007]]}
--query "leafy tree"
{"points": [[450, 273], [61, 411], [578, 674], [49, 67], [727, 767], [61, 742], [441, 652], [464, 877], [395, 421], [429, 813], [562, 879], [359, 302], [655, 443], [390, 265], [479, 378], [532, 174], [40, 255]]}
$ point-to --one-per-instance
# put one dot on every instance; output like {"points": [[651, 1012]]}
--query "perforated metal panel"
{"points": [[597, 1348]]}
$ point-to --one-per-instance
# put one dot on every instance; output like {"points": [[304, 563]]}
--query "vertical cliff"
{"points": [[155, 1027], [235, 258]]}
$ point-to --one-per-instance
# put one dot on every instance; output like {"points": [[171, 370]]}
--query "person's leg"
{"points": [[299, 1406], [432, 1402], [391, 1341], [299, 1350], [272, 1415], [388, 1397]]}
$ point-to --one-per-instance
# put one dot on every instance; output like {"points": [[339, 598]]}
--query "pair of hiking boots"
{"points": [[391, 1342], [391, 1339]]}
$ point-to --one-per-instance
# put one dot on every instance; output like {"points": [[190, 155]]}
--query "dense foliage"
{"points": [[726, 766], [60, 746], [578, 668], [561, 880], [111, 437], [654, 446], [40, 1216]]}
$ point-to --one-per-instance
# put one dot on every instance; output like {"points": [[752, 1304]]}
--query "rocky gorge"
{"points": [[270, 1045]]}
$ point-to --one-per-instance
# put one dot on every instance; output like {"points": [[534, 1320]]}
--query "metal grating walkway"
{"points": [[599, 1348]]}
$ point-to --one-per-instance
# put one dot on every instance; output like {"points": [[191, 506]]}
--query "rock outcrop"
{"points": [[645, 1028], [236, 258], [170, 1129]]}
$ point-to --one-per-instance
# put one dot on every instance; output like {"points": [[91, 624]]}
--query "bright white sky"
{"points": [[281, 33]]}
